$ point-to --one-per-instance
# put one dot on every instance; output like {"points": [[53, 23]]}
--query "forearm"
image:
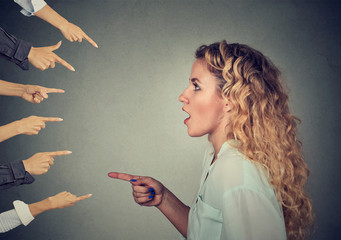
{"points": [[51, 16], [11, 89], [40, 207], [9, 130], [175, 211]]}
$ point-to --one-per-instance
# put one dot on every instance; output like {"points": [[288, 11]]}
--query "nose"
{"points": [[183, 98]]}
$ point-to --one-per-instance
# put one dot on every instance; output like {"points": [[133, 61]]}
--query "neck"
{"points": [[217, 140]]}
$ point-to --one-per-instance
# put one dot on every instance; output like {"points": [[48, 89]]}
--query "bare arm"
{"points": [[30, 93], [51, 16], [70, 31], [11, 89], [9, 130], [176, 211], [28, 126], [61, 200]]}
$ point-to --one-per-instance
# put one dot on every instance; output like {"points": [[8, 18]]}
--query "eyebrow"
{"points": [[194, 80]]}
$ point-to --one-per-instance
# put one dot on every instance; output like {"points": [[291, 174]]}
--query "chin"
{"points": [[195, 134]]}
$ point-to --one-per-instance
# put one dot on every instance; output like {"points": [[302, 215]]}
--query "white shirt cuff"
{"points": [[30, 6], [23, 212]]}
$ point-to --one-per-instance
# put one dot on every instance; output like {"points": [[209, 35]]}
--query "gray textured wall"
{"points": [[121, 111]]}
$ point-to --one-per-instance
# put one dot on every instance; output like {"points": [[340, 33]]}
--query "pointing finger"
{"points": [[122, 176], [58, 153], [52, 119], [54, 90], [64, 63], [83, 197], [92, 42]]}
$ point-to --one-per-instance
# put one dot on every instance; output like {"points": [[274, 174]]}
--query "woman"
{"points": [[253, 177]]}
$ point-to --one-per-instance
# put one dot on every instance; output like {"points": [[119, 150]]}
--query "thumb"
{"points": [[55, 47], [142, 181]]}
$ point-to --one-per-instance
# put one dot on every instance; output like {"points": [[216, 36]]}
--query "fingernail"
{"points": [[72, 69], [96, 46], [69, 152], [151, 189], [90, 195], [60, 119], [153, 193], [151, 196], [132, 180]]}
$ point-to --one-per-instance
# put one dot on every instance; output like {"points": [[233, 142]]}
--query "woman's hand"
{"points": [[33, 124], [74, 33], [61, 200], [150, 192], [36, 94], [146, 190], [44, 57], [65, 199], [40, 163]]}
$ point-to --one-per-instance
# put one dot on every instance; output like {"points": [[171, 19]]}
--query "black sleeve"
{"points": [[14, 174], [14, 49]]}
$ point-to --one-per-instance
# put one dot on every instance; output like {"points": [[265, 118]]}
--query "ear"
{"points": [[228, 105]]}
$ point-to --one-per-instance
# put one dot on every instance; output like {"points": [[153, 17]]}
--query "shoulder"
{"points": [[232, 170]]}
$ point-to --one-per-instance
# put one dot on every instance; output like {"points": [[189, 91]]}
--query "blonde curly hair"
{"points": [[263, 125]]}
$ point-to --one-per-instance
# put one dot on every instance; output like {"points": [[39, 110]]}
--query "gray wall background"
{"points": [[121, 111]]}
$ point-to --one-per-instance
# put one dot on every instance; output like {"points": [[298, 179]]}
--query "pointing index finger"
{"points": [[59, 153], [52, 119], [121, 176], [64, 63], [54, 90], [90, 40], [83, 197]]}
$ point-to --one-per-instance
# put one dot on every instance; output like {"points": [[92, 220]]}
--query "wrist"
{"points": [[165, 196], [39, 207], [26, 166], [17, 125], [31, 53], [62, 24], [47, 203]]}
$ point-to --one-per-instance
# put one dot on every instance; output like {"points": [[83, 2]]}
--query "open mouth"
{"points": [[186, 120]]}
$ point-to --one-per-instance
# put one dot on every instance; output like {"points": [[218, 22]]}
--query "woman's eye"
{"points": [[196, 87]]}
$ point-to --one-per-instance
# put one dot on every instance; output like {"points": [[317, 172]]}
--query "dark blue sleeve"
{"points": [[14, 174], [14, 49]]}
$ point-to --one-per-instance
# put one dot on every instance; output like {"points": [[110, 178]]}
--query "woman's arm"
{"points": [[175, 211], [61, 200], [28, 126], [11, 89], [24, 214], [70, 31], [30, 93], [150, 192]]}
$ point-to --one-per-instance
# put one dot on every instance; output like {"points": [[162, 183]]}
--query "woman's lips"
{"points": [[186, 120]]}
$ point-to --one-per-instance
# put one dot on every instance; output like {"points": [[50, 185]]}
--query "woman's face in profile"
{"points": [[202, 102]]}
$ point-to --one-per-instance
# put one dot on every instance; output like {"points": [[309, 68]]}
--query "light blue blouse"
{"points": [[235, 201], [30, 6]]}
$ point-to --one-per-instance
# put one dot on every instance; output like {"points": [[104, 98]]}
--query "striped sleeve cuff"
{"points": [[23, 212]]}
